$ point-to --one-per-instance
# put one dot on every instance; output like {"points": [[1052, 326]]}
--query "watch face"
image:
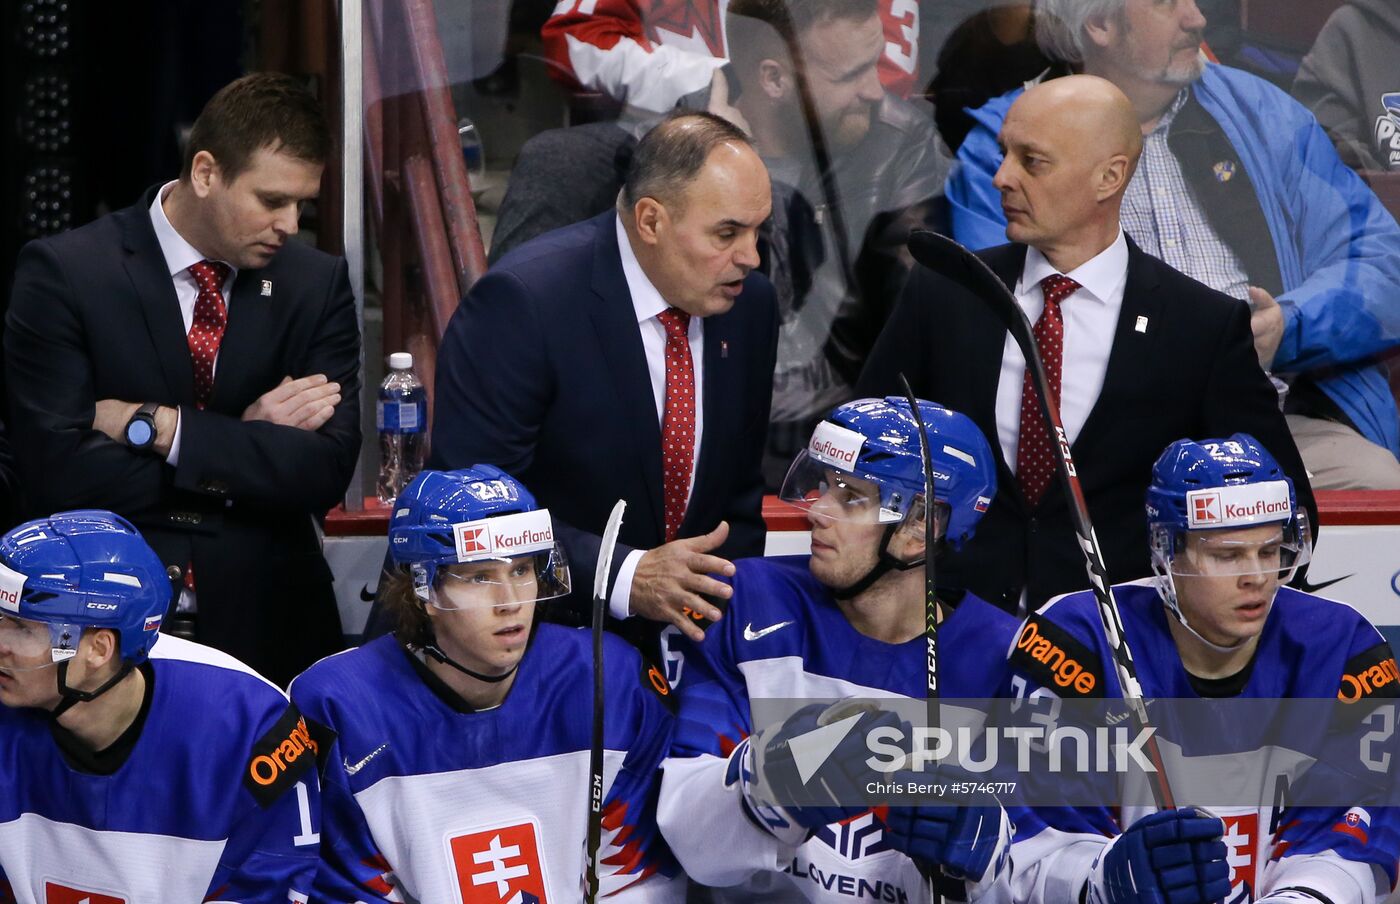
{"points": [[139, 433]]}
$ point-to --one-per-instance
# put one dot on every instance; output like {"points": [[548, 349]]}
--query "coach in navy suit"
{"points": [[186, 364], [570, 365]]}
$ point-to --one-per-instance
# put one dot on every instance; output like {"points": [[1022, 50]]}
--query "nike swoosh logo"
{"points": [[1314, 588], [367, 594], [351, 770], [751, 634]]}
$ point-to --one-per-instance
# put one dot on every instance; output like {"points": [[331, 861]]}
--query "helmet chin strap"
{"points": [[72, 696], [436, 652], [885, 564]]}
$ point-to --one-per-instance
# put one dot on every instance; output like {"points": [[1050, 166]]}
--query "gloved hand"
{"points": [[1167, 857], [961, 840], [790, 807]]}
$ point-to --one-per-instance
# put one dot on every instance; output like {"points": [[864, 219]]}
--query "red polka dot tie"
{"points": [[1035, 458], [677, 420], [207, 327]]}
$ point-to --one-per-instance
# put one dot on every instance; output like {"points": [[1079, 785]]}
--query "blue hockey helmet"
{"points": [[479, 514], [877, 440], [77, 570], [1220, 485]]}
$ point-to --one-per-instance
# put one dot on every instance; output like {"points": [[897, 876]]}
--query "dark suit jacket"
{"points": [[94, 316], [1192, 373], [542, 373]]}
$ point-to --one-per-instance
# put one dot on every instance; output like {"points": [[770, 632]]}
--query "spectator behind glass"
{"points": [[1351, 81], [188, 365], [648, 54], [835, 249], [1228, 159], [987, 55]]}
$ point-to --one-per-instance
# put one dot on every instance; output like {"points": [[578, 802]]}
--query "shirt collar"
{"points": [[646, 301], [1099, 276], [179, 254], [1166, 121]]}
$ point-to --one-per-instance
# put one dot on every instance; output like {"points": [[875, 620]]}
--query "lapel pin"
{"points": [[267, 288], [1224, 170], [724, 348], [1141, 325]]}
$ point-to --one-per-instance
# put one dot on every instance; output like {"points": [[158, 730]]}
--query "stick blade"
{"points": [[605, 550], [955, 262]]}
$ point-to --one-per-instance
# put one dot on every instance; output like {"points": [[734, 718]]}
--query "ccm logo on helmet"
{"points": [[280, 757]]}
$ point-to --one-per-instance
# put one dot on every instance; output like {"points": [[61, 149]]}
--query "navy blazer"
{"points": [[542, 373], [93, 316], [1191, 372]]}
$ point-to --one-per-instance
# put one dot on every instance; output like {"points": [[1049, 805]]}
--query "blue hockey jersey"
{"points": [[783, 636], [1310, 648], [216, 801], [426, 800]]}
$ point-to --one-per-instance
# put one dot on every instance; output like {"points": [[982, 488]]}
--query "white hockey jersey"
{"points": [[1310, 648], [216, 801], [429, 801], [782, 636]]}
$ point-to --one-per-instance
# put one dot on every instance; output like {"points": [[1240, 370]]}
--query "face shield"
{"points": [[28, 646], [1275, 551], [508, 560]]}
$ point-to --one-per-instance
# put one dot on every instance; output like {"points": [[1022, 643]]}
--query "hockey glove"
{"points": [[963, 841], [783, 802], [1168, 857]]}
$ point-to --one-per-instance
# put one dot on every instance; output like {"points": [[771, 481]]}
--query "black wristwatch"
{"points": [[140, 431]]}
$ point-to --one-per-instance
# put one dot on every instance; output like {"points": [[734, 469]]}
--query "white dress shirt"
{"points": [[1090, 317], [648, 303], [180, 255]]}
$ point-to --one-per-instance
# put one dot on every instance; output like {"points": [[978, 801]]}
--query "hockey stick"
{"points": [[952, 261], [930, 583], [595, 748]]}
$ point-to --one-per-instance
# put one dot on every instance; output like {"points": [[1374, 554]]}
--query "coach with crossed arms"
{"points": [[631, 356], [1139, 354]]}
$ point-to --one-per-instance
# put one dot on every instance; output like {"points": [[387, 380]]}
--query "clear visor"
{"points": [[508, 581], [1271, 550], [27, 646], [815, 486]]}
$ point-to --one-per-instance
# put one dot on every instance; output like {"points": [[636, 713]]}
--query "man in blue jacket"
{"points": [[1229, 159]]}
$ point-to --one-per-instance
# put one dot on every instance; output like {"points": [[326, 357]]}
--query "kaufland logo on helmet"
{"points": [[11, 586], [506, 535], [835, 445], [1238, 506]]}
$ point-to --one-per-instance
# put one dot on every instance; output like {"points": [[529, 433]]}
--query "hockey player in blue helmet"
{"points": [[110, 749], [1217, 623], [846, 621], [465, 731]]}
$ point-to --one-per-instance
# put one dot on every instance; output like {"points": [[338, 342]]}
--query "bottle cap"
{"points": [[401, 361]]}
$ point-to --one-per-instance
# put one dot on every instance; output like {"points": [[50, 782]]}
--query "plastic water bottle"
{"points": [[401, 416]]}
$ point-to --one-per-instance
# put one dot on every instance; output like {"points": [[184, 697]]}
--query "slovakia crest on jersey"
{"points": [[499, 865], [62, 894], [1241, 844]]}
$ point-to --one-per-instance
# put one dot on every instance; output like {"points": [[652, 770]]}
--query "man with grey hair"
{"points": [[631, 356], [1228, 161]]}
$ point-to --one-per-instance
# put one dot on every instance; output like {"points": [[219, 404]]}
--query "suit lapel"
{"points": [[244, 342], [620, 338], [721, 393], [1131, 362], [155, 293], [984, 363]]}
